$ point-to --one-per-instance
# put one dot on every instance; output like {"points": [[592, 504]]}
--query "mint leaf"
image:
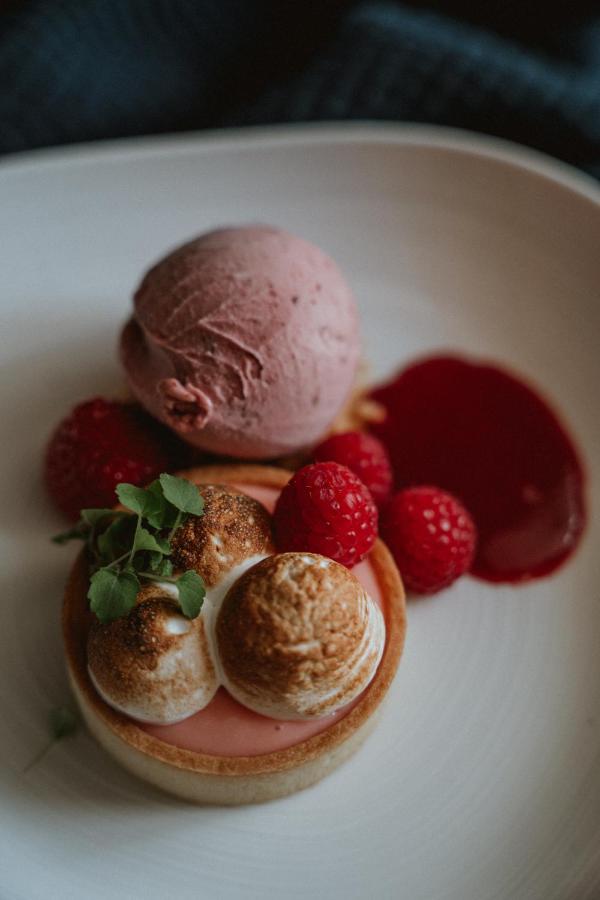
{"points": [[150, 504], [146, 541], [184, 495], [112, 594], [62, 722], [191, 593]]}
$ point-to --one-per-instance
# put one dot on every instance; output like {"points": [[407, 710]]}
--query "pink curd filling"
{"points": [[226, 728]]}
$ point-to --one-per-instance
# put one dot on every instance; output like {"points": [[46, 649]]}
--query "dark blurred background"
{"points": [[80, 70]]}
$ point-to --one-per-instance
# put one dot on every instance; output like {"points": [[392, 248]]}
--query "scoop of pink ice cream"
{"points": [[244, 341]]}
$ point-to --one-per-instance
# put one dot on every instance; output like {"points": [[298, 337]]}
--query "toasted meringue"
{"points": [[154, 665], [298, 637], [232, 528]]}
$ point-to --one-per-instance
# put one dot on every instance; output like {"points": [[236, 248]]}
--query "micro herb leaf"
{"points": [[165, 568], [146, 541], [116, 540], [125, 547], [134, 498], [162, 513], [168, 513], [190, 587], [164, 545], [112, 594], [155, 487], [154, 561], [62, 722], [148, 504], [182, 494], [77, 533], [90, 519], [93, 517], [158, 564]]}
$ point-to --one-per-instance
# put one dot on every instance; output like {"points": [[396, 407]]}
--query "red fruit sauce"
{"points": [[485, 436]]}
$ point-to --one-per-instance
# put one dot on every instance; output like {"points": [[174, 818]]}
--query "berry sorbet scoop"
{"points": [[244, 341]]}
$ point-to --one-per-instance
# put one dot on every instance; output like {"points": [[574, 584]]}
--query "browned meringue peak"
{"points": [[232, 528], [154, 664], [298, 637]]}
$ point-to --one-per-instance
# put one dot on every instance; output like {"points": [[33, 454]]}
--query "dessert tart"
{"points": [[241, 773]]}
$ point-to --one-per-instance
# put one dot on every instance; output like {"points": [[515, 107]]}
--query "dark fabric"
{"points": [[74, 70]]}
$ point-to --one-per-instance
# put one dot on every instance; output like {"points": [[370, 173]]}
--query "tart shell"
{"points": [[202, 778]]}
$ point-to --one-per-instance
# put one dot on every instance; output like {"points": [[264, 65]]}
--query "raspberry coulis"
{"points": [[484, 435]]}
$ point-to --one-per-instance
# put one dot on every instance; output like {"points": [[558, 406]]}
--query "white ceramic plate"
{"points": [[483, 779]]}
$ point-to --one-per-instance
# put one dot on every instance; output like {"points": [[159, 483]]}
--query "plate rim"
{"points": [[315, 134]]}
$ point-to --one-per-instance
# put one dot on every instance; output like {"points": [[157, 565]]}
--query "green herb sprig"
{"points": [[63, 721], [128, 547]]}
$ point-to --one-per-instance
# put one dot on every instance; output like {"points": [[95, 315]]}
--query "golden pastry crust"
{"points": [[232, 527]]}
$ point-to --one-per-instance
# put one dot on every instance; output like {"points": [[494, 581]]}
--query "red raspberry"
{"points": [[326, 509], [431, 535], [364, 455], [100, 444]]}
